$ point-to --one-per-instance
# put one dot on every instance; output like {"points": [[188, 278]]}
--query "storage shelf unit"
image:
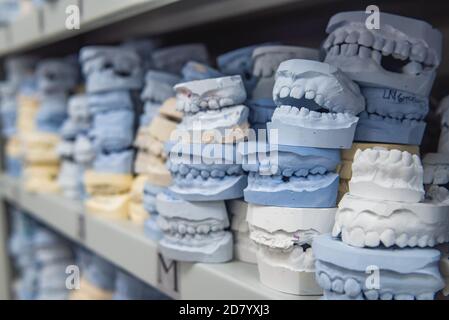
{"points": [[126, 245]]}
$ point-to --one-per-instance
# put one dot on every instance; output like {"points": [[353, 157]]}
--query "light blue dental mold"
{"points": [[109, 101], [206, 172], [288, 176], [172, 59], [115, 162], [392, 116], [199, 71], [346, 272]]}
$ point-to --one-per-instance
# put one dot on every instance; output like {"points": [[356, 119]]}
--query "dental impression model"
{"points": [[317, 105], [436, 168], [213, 107], [387, 175], [206, 172], [405, 274], [266, 60], [284, 257], [173, 59], [244, 248], [395, 66], [194, 231], [297, 177], [364, 222]]}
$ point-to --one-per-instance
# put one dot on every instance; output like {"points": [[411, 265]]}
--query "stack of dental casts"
{"points": [[388, 222], [40, 258], [160, 118], [205, 171], [395, 66], [19, 75], [76, 126], [113, 78], [292, 183], [56, 79]]}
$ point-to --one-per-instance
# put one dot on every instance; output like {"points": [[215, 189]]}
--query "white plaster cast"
{"points": [[387, 175], [213, 94], [284, 236], [362, 53], [266, 60], [369, 223], [244, 248], [436, 168]]}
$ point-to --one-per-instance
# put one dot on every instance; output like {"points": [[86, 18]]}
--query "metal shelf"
{"points": [[46, 25], [126, 245]]}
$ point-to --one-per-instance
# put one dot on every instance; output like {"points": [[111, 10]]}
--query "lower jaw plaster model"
{"points": [[392, 175], [317, 105], [284, 236], [244, 248], [369, 223], [403, 274], [194, 231], [206, 172], [297, 177]]}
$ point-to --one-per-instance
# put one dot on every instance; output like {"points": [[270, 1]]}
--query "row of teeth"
{"points": [[389, 119], [305, 113], [357, 237], [212, 103], [387, 157], [297, 176], [352, 288], [192, 173], [300, 173], [196, 236], [436, 174], [366, 44], [388, 112]]}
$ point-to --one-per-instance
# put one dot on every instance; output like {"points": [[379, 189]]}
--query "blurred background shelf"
{"points": [[126, 245]]}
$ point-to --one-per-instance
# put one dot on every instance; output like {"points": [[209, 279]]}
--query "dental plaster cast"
{"points": [[109, 206], [206, 172], [40, 147], [266, 60], [101, 183], [395, 65], [56, 75], [298, 177], [210, 94], [83, 150], [436, 168], [116, 162], [78, 111], [110, 101], [52, 112], [303, 89], [172, 59], [405, 274], [194, 231], [153, 167], [169, 110], [70, 179], [284, 236], [391, 175], [65, 149], [244, 248], [159, 86], [111, 68], [198, 71], [364, 222]]}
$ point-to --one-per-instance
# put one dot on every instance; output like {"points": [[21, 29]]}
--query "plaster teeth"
{"points": [[338, 286], [329, 41], [413, 241], [352, 37], [372, 239], [364, 53], [344, 49], [335, 51], [377, 56], [371, 294], [422, 242], [388, 238], [388, 47], [430, 59], [203, 104], [226, 102], [285, 91], [404, 297], [352, 288], [386, 296], [324, 281], [378, 43], [340, 36], [310, 95], [418, 53], [401, 50], [297, 92], [352, 50], [357, 237], [366, 39], [401, 241], [425, 296]]}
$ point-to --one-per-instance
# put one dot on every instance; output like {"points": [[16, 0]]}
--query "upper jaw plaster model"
{"points": [[436, 168], [395, 65], [298, 177], [284, 257], [304, 89], [387, 175], [405, 274], [364, 222], [194, 231], [206, 172]]}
